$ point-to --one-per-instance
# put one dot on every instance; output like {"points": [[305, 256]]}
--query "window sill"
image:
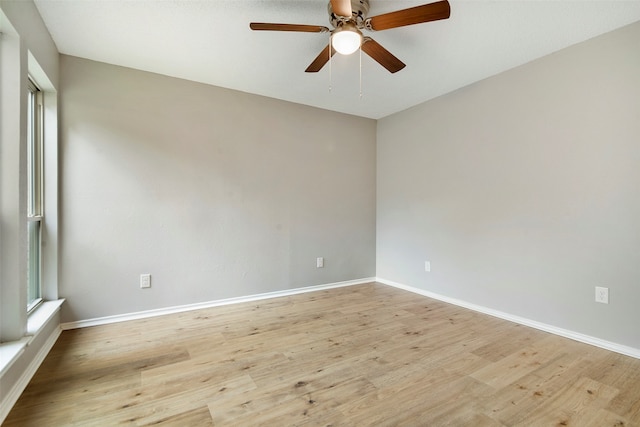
{"points": [[41, 315], [11, 351]]}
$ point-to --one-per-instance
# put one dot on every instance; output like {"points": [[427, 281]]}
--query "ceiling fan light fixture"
{"points": [[346, 39]]}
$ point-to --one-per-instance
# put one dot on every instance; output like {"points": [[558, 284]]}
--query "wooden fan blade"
{"points": [[413, 15], [341, 7], [381, 55], [261, 26], [320, 60]]}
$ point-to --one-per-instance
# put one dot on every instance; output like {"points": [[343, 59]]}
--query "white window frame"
{"points": [[35, 194]]}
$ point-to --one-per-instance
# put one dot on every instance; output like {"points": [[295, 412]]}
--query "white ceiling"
{"points": [[209, 41]]}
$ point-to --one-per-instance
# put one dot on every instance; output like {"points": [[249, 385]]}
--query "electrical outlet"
{"points": [[319, 262], [602, 295], [427, 266], [145, 281]]}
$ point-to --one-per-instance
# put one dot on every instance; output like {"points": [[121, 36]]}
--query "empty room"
{"points": [[319, 212]]}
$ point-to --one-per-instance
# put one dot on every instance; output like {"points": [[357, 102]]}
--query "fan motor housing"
{"points": [[359, 11]]}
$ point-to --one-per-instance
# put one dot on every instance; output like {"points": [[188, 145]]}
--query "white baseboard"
{"points": [[576, 336], [23, 381], [188, 307]]}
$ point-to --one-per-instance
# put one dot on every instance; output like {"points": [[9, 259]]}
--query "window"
{"points": [[35, 210]]}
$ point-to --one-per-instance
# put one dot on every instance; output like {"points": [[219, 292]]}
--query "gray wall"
{"points": [[216, 193], [523, 190]]}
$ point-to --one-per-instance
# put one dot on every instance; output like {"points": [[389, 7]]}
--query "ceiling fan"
{"points": [[349, 17]]}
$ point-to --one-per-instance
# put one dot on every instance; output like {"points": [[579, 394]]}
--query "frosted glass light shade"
{"points": [[346, 42]]}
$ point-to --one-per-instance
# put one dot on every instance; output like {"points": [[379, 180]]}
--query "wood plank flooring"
{"points": [[355, 356]]}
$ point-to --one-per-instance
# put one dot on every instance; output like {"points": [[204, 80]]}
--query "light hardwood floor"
{"points": [[355, 356]]}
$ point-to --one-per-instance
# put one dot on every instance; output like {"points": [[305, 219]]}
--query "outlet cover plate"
{"points": [[602, 295], [145, 281]]}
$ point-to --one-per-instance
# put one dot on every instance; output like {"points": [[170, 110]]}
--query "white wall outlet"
{"points": [[319, 262], [145, 281], [427, 266], [602, 295]]}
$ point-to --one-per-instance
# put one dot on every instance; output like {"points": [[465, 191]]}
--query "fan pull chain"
{"points": [[330, 47], [360, 72]]}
